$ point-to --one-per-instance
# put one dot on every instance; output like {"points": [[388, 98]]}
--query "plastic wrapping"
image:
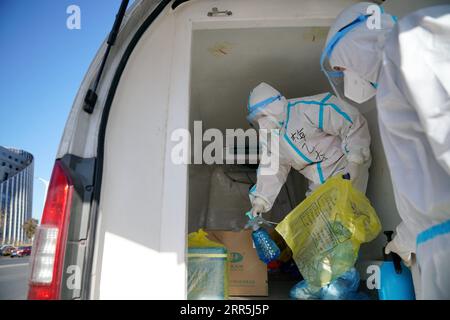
{"points": [[207, 268], [228, 198], [325, 231], [302, 291], [343, 288]]}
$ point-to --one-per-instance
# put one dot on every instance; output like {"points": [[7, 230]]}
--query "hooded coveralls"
{"points": [[318, 136], [410, 63]]}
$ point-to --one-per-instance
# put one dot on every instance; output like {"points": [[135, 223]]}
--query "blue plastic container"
{"points": [[393, 285], [396, 281]]}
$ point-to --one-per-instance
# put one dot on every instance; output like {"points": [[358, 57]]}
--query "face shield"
{"points": [[254, 111], [337, 77]]}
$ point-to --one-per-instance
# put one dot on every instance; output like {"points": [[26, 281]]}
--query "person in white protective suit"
{"points": [[407, 66], [319, 136]]}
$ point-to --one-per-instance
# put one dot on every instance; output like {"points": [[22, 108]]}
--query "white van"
{"points": [[118, 208]]}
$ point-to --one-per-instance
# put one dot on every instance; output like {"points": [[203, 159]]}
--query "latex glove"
{"points": [[356, 158], [359, 155], [258, 207], [405, 254]]}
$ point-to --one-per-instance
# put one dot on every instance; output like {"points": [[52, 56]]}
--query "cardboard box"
{"points": [[248, 274]]}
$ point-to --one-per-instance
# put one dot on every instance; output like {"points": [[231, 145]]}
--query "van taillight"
{"points": [[51, 238]]}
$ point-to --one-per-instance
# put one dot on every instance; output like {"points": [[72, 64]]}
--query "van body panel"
{"points": [[189, 66], [152, 101]]}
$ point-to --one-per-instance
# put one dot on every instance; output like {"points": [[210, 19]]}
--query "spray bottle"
{"points": [[265, 247]]}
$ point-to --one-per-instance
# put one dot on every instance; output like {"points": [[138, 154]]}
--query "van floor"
{"points": [[279, 288]]}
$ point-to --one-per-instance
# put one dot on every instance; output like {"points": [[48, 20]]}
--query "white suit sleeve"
{"points": [[268, 187], [437, 130], [349, 124], [425, 76]]}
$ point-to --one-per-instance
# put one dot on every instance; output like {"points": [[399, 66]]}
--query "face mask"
{"points": [[356, 88]]}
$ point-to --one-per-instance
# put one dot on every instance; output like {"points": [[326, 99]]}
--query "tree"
{"points": [[2, 221], [30, 227], [2, 218]]}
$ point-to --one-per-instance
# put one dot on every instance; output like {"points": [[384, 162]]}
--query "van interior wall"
{"points": [[226, 65], [218, 196]]}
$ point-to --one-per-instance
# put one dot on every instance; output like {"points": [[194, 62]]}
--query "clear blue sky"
{"points": [[42, 64]]}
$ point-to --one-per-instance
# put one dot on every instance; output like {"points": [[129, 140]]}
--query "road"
{"points": [[13, 278]]}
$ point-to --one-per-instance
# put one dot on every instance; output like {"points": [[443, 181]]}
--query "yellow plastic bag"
{"points": [[325, 231], [207, 268], [199, 240]]}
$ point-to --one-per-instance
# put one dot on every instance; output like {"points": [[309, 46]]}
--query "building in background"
{"points": [[16, 194]]}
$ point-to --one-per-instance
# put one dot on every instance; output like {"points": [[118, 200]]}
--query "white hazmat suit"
{"points": [[409, 63], [319, 136]]}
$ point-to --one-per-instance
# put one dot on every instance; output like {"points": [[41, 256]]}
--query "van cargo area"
{"points": [[226, 65], [189, 67], [223, 202]]}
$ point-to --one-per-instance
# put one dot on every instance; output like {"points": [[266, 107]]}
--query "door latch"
{"points": [[216, 13]]}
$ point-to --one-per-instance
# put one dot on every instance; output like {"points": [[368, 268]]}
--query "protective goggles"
{"points": [[326, 54], [335, 77]]}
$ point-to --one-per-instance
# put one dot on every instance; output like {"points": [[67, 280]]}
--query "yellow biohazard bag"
{"points": [[325, 231]]}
